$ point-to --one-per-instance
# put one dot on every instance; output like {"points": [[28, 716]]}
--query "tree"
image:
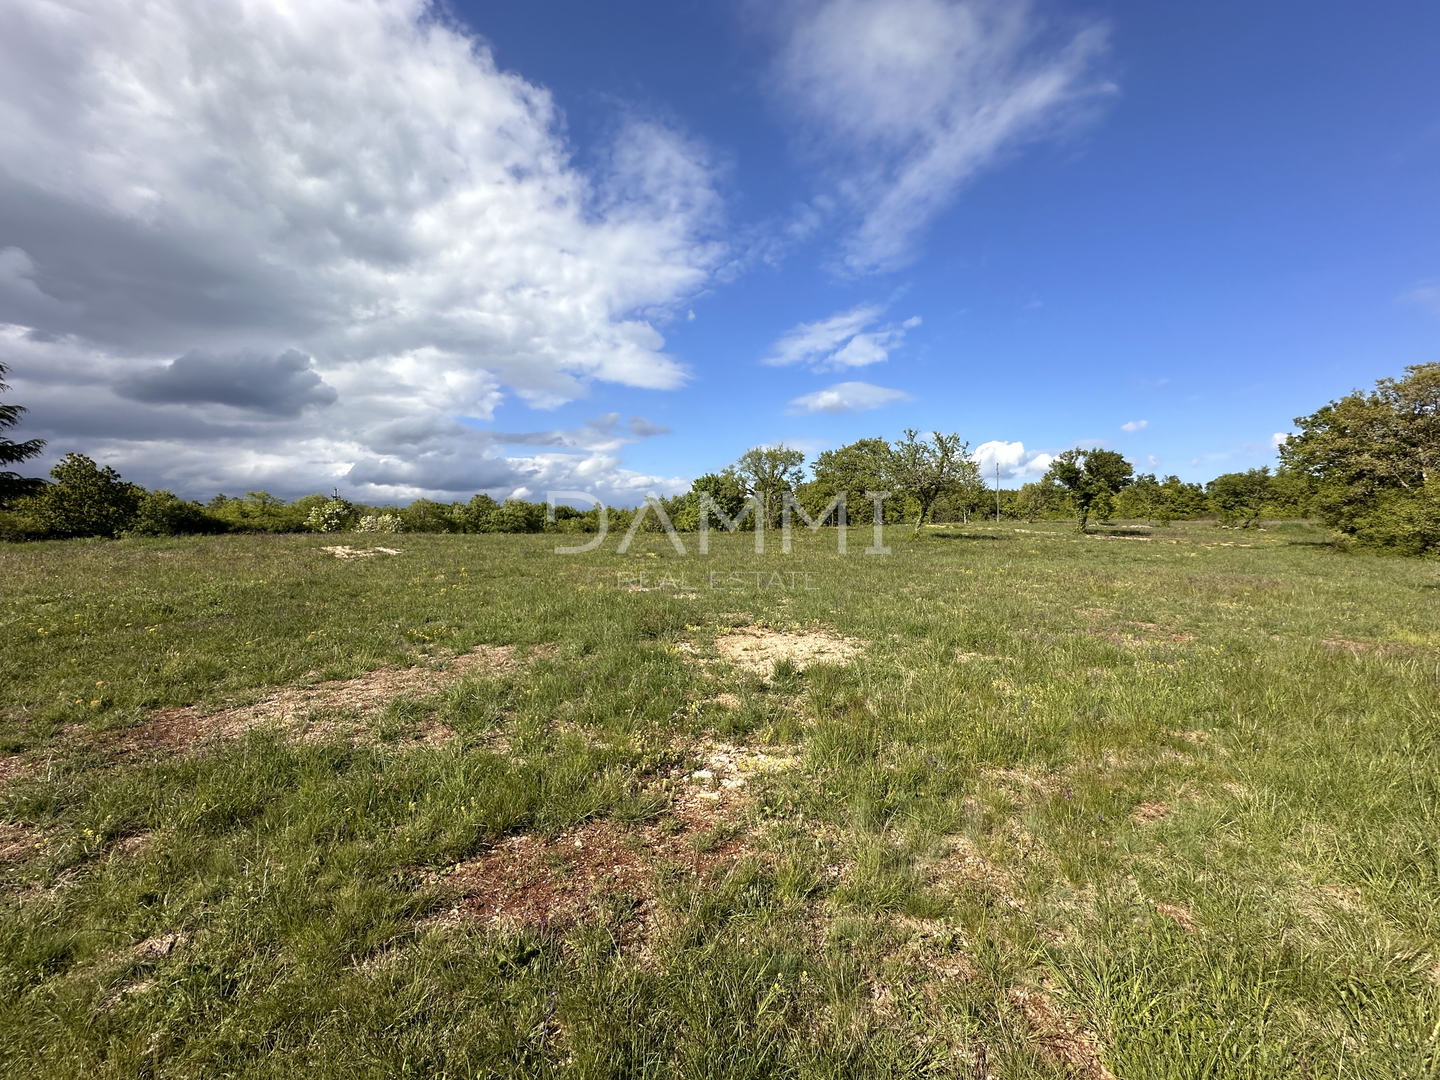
{"points": [[768, 471], [426, 516], [1182, 500], [925, 469], [85, 500], [725, 490], [854, 469], [971, 496], [1144, 498], [1238, 498], [1093, 477], [1368, 453], [1038, 498], [13, 485]]}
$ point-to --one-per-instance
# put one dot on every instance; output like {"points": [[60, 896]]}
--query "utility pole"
{"points": [[997, 493]]}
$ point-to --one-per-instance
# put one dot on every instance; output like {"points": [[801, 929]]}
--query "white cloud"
{"points": [[1426, 294], [351, 179], [849, 339], [1280, 438], [848, 397], [1135, 425], [908, 99], [1016, 463]]}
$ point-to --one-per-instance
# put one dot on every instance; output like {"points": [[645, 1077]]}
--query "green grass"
{"points": [[959, 839]]}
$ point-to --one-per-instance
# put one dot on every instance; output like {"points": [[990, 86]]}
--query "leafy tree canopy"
{"points": [[1369, 453], [13, 485], [926, 469], [1093, 477], [85, 500]]}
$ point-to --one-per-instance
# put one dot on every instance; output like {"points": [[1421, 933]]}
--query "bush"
{"points": [[380, 523], [333, 515], [259, 511], [518, 516], [85, 500], [1408, 523], [162, 513]]}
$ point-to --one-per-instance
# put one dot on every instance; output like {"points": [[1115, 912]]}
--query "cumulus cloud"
{"points": [[848, 397], [1135, 425], [352, 181], [1015, 462], [849, 339], [1280, 438], [909, 99]]}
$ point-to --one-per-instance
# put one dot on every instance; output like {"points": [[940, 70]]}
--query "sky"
{"points": [[408, 250]]}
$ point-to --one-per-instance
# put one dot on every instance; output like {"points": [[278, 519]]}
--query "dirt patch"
{"points": [[963, 862], [1148, 812], [757, 649], [302, 709], [1376, 648], [609, 872], [342, 551], [1063, 1040], [13, 765], [599, 871]]}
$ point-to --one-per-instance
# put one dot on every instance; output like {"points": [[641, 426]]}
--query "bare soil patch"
{"points": [[344, 551], [758, 649], [604, 871], [297, 708]]}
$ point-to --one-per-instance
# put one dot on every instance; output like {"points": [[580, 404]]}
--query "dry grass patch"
{"points": [[1148, 812], [1063, 1040], [962, 862], [1180, 915], [297, 708], [18, 842], [757, 649]]}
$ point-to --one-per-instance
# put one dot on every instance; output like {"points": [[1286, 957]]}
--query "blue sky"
{"points": [[1167, 229]]}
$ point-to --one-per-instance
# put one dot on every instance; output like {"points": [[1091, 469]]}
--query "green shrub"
{"points": [[1408, 523], [518, 516], [85, 500], [162, 513], [259, 511]]}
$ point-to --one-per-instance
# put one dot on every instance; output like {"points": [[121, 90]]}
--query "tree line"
{"points": [[1368, 465]]}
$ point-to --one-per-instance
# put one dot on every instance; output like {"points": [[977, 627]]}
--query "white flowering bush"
{"points": [[380, 523], [333, 516]]}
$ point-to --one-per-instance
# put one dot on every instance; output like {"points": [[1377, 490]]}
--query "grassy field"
{"points": [[1043, 806]]}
